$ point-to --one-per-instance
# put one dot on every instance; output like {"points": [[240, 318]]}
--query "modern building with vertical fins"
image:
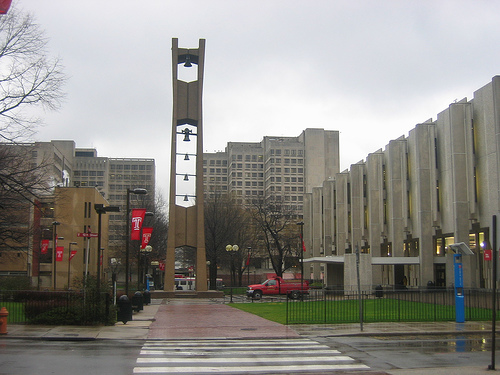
{"points": [[404, 205]]}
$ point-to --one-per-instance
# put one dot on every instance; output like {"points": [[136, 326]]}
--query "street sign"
{"points": [[87, 234]]}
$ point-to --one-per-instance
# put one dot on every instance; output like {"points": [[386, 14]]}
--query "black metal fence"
{"points": [[418, 305], [57, 308]]}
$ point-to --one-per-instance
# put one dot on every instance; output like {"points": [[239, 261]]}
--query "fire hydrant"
{"points": [[3, 321]]}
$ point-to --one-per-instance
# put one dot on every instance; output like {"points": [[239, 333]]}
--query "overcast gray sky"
{"points": [[370, 69]]}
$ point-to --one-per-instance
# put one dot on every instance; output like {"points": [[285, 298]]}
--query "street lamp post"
{"points": [[146, 251], [69, 259], [141, 251], [231, 249], [54, 251], [101, 209], [248, 265], [301, 224], [138, 191], [114, 263]]}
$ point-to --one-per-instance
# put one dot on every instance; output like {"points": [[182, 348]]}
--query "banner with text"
{"points": [[59, 253], [146, 236], [137, 220], [45, 247]]}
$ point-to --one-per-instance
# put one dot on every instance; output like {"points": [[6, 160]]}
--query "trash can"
{"points": [[124, 309], [146, 297], [379, 291], [137, 302]]}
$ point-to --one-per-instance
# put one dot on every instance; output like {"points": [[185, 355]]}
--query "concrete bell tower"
{"points": [[186, 209]]}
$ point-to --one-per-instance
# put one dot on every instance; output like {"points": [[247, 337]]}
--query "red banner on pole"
{"points": [[4, 6], [161, 266], [488, 254], [137, 220], [59, 253], [248, 260], [73, 253], [303, 244], [146, 236], [45, 247]]}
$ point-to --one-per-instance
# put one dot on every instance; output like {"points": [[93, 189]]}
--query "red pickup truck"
{"points": [[278, 285]]}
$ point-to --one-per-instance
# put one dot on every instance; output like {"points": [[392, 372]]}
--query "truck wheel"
{"points": [[294, 294], [257, 294]]}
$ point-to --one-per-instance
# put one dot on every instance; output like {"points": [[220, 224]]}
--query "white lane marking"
{"points": [[234, 370]]}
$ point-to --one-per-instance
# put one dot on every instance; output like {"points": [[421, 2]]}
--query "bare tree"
{"points": [[225, 223], [21, 183], [28, 77], [277, 223]]}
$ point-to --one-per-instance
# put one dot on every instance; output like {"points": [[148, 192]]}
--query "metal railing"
{"points": [[418, 305], [58, 308]]}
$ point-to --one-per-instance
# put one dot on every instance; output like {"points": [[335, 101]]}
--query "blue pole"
{"points": [[459, 289]]}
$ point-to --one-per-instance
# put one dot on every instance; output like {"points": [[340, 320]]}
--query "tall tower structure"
{"points": [[186, 209]]}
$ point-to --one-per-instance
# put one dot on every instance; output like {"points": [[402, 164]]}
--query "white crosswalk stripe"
{"points": [[273, 356]]}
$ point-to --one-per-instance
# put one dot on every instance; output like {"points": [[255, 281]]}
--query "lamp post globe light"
{"points": [[231, 249], [142, 252], [146, 252], [137, 191]]}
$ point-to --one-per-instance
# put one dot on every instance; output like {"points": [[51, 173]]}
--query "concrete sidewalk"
{"points": [[184, 321], [212, 318]]}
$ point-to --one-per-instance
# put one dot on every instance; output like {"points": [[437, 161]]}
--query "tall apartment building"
{"points": [[281, 168], [112, 177]]}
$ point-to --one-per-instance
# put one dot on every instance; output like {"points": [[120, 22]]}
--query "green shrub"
{"points": [[15, 283], [59, 316]]}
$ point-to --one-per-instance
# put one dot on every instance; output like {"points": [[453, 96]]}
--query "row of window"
{"points": [[247, 175], [88, 173], [88, 183], [287, 152], [299, 189], [287, 179], [216, 162], [133, 177], [216, 170], [287, 161], [248, 166], [286, 170], [133, 167]]}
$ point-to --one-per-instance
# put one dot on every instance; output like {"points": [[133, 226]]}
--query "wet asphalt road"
{"points": [[118, 357], [110, 357], [420, 351]]}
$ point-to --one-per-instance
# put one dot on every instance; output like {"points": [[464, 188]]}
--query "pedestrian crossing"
{"points": [[244, 356]]}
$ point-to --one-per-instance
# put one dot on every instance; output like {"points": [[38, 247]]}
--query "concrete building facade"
{"points": [[406, 204], [282, 168], [70, 167]]}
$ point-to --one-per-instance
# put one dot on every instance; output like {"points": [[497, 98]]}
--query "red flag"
{"points": [[73, 253], [59, 253], [45, 247], [137, 220], [4, 6], [248, 260], [161, 266], [303, 244], [146, 236]]}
